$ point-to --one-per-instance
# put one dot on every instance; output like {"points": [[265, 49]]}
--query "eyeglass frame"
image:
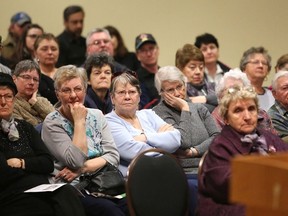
{"points": [[8, 97], [68, 91], [178, 88], [123, 93], [257, 62], [27, 78], [234, 89], [98, 42]]}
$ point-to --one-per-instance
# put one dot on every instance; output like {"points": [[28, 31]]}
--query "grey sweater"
{"points": [[197, 127]]}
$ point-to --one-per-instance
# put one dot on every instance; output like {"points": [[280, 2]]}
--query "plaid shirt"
{"points": [[264, 121], [279, 116]]}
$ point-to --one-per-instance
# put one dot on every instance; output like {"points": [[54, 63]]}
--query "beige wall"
{"points": [[238, 25]]}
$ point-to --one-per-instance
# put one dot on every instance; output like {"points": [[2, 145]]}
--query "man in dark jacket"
{"points": [[72, 45]]}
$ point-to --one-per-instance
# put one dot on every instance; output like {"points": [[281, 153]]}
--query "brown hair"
{"points": [[187, 53]]}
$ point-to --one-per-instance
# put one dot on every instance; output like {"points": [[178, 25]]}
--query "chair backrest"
{"points": [[156, 185], [200, 168]]}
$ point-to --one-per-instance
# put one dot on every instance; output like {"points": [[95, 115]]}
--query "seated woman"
{"points": [[133, 130], [79, 139], [190, 61], [240, 136], [234, 78], [25, 163], [46, 50], [99, 68], [28, 105], [195, 123]]}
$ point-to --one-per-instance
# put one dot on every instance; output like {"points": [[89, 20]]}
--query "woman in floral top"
{"points": [[79, 139]]}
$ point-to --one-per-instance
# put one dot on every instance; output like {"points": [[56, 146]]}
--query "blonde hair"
{"points": [[235, 94], [68, 72]]}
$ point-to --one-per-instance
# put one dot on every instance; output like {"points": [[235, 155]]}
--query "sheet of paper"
{"points": [[45, 188]]}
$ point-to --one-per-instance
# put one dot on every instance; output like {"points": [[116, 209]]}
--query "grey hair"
{"points": [[277, 76], [125, 79], [235, 74], [69, 72], [26, 65], [96, 30], [248, 54], [168, 73]]}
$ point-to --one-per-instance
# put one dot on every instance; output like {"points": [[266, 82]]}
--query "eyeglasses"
{"points": [[194, 66], [172, 90], [33, 36], [257, 62], [27, 78], [7, 97], [123, 93], [99, 42], [234, 89], [130, 72], [67, 91]]}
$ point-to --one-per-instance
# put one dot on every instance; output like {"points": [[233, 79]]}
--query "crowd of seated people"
{"points": [[124, 103]]}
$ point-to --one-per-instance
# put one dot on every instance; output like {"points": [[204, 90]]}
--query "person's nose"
{"points": [[127, 96], [176, 92], [2, 101], [73, 94], [197, 70], [247, 115]]}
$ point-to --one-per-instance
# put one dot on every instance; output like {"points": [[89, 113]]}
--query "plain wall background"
{"points": [[238, 25]]}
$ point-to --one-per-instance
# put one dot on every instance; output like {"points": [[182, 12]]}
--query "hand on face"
{"points": [[33, 98], [78, 112], [175, 102]]}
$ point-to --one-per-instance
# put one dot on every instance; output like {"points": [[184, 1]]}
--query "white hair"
{"points": [[235, 74], [168, 73], [277, 76]]}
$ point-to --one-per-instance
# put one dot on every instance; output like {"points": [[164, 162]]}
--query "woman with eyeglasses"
{"points": [[26, 163], [28, 105], [194, 121], [25, 47], [196, 125], [256, 63], [47, 52], [133, 130], [80, 140], [240, 136], [190, 60]]}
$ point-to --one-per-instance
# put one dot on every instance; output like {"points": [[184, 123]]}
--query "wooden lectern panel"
{"points": [[260, 183]]}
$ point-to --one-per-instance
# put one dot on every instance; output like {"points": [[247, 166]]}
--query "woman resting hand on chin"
{"points": [[80, 140]]}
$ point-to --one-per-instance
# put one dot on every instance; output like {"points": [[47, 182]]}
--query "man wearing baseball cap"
{"points": [[147, 52], [17, 24]]}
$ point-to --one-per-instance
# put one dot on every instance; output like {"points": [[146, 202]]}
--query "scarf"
{"points": [[258, 143], [10, 128]]}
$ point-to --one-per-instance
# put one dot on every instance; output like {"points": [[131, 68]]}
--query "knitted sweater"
{"points": [[34, 114]]}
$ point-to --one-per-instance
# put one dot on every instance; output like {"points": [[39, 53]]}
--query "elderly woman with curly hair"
{"points": [[240, 136]]}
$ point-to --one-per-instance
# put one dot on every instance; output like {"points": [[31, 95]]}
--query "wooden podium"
{"points": [[261, 184]]}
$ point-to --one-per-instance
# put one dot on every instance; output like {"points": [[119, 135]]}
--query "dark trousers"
{"points": [[62, 202]]}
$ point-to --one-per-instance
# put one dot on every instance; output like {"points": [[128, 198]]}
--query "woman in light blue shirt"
{"points": [[135, 131]]}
